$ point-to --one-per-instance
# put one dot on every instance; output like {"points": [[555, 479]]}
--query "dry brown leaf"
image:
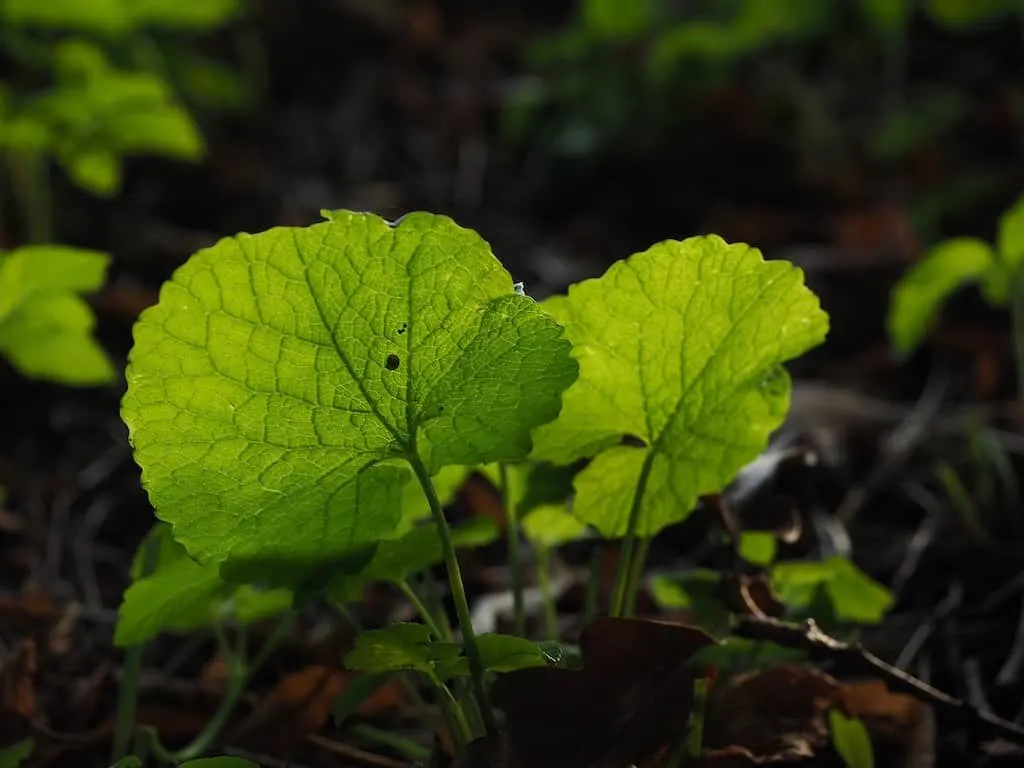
{"points": [[17, 681], [306, 697]]}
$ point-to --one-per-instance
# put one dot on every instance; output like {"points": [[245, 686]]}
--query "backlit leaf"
{"points": [[278, 388], [180, 594], [851, 740], [680, 350], [45, 327], [917, 298]]}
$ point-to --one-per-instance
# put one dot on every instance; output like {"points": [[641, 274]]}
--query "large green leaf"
{"points": [[45, 327], [920, 293], [552, 525], [282, 381], [680, 350], [180, 594]]}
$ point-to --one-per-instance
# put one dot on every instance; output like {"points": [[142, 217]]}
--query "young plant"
{"points": [[45, 325], [681, 382], [289, 384], [954, 263]]}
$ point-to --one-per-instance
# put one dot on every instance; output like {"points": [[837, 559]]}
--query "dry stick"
{"points": [[855, 659]]}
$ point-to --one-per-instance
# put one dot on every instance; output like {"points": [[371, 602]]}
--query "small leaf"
{"points": [[920, 293], [1010, 237], [45, 327], [681, 349], [617, 20], [395, 561], [14, 755], [696, 591], [758, 547], [851, 740], [405, 646], [359, 689], [854, 595], [180, 594], [262, 411], [552, 525], [888, 16], [507, 653]]}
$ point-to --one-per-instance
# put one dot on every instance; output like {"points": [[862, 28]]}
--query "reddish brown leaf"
{"points": [[305, 697], [17, 682], [633, 696]]}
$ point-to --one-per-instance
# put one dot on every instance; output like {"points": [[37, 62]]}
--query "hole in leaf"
{"points": [[392, 362]]}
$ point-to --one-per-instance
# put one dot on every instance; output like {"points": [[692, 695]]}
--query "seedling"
{"points": [[957, 262], [289, 385], [45, 325]]}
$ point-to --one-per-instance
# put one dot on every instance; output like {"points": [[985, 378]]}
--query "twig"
{"points": [[854, 659], [354, 752]]}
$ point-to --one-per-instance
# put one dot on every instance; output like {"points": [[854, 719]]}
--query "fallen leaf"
{"points": [[17, 681], [632, 697], [306, 697]]}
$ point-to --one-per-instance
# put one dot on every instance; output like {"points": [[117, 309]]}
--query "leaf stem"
{"points": [[240, 671], [594, 584], [636, 572], [451, 561], [514, 564], [624, 570], [127, 696], [544, 578], [1017, 312], [407, 747], [421, 609]]}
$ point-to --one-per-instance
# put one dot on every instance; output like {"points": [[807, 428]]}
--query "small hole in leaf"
{"points": [[403, 328], [392, 363]]}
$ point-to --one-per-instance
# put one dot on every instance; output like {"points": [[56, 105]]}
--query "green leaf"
{"points": [[99, 16], [680, 349], [45, 328], [888, 16], [219, 762], [1010, 237], [117, 17], [964, 14], [406, 646], [552, 525], [173, 14], [920, 293], [14, 755], [358, 690], [398, 559], [855, 596], [284, 379], [758, 547], [507, 653], [182, 595], [696, 591], [851, 740], [616, 19]]}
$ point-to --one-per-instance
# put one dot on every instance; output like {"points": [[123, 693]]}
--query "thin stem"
{"points": [[407, 747], [476, 666], [421, 609], [30, 179], [624, 569], [593, 585], [636, 573], [544, 578], [452, 712], [127, 696], [1017, 301], [238, 676], [516, 566]]}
